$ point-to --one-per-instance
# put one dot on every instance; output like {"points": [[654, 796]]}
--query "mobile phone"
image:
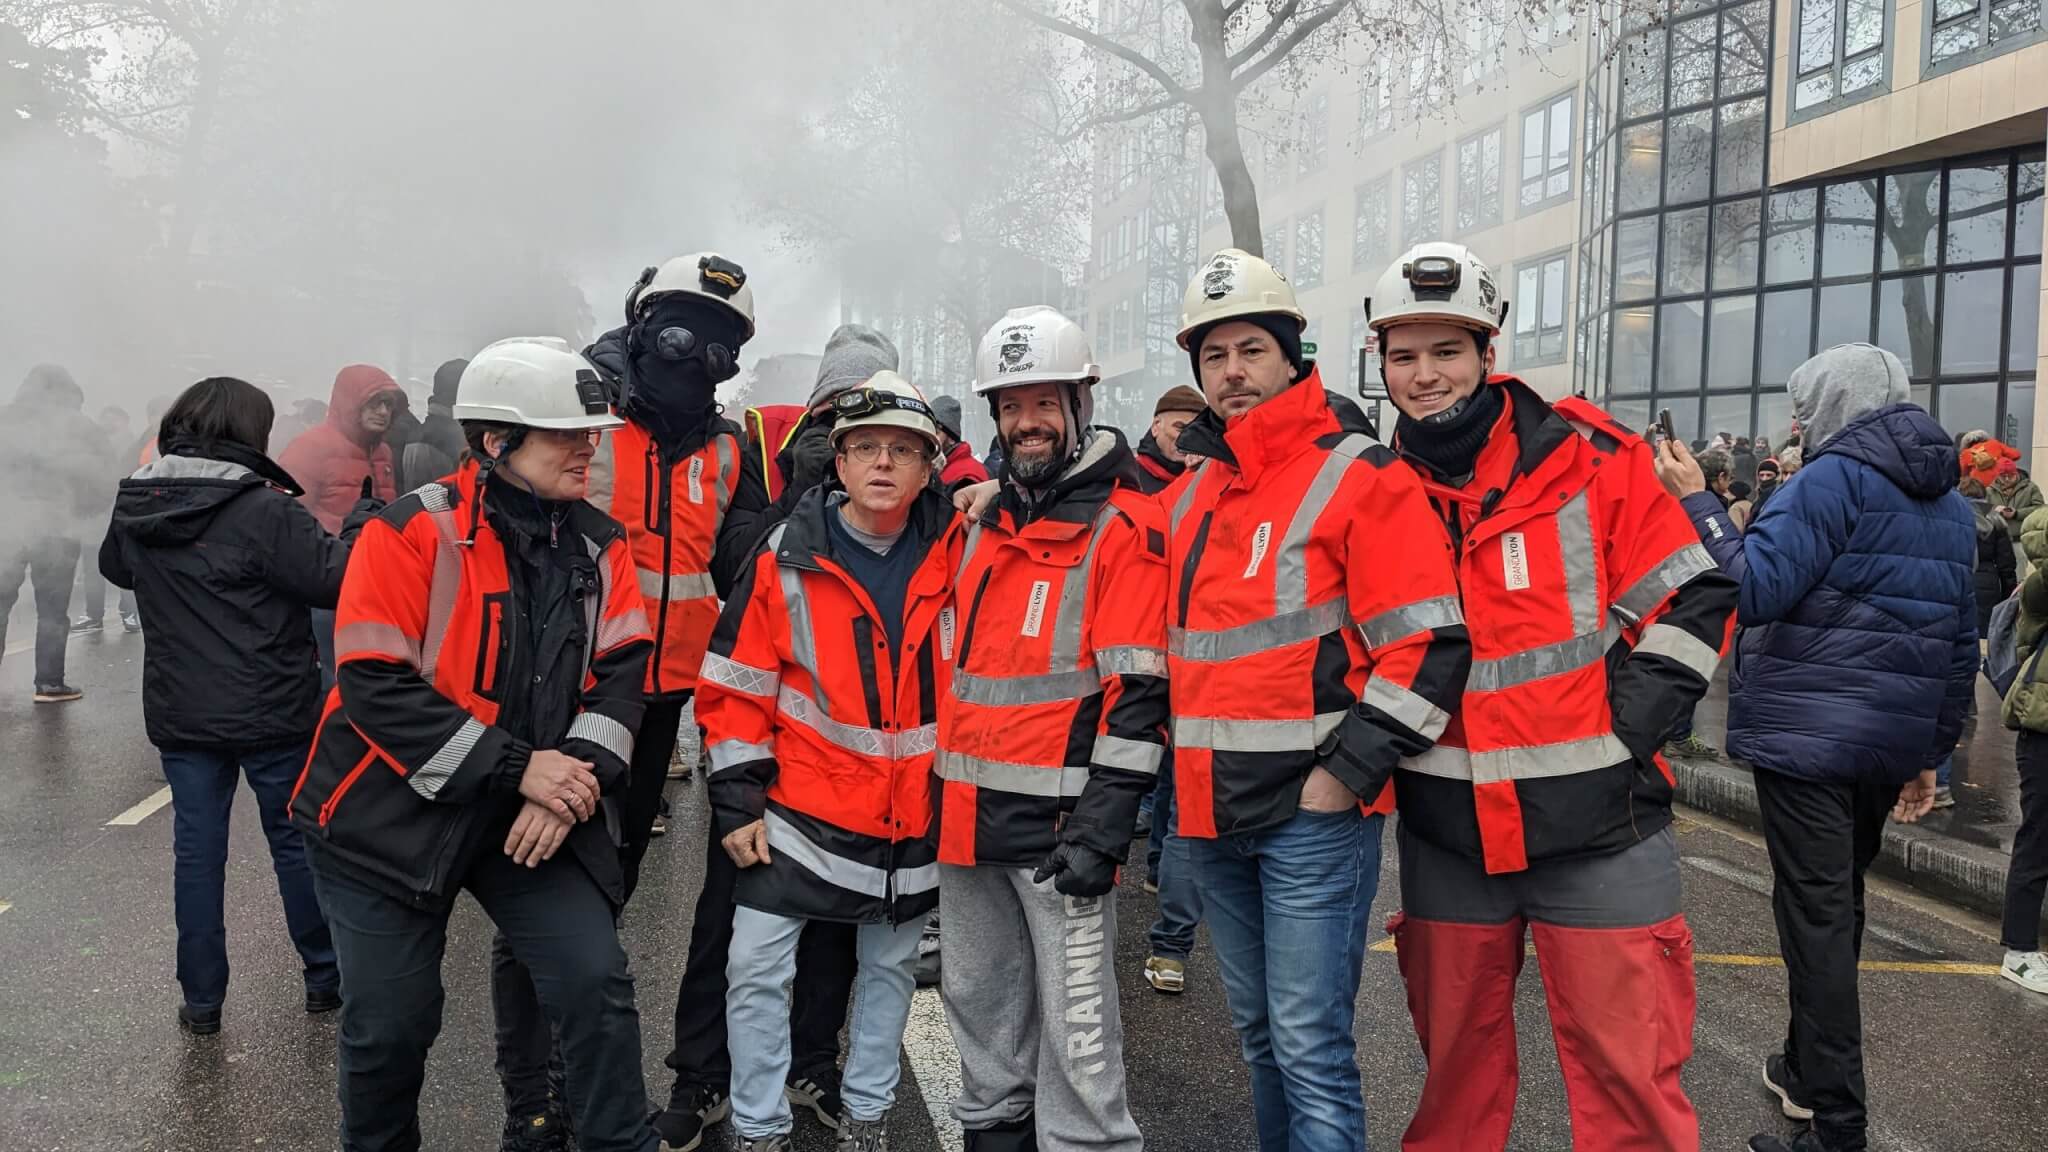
{"points": [[1664, 427]]}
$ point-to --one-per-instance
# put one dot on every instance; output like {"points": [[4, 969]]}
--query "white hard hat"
{"points": [[1438, 281], [534, 382], [1034, 345], [886, 400], [1235, 283], [705, 274]]}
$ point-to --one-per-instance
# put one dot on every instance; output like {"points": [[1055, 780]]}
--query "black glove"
{"points": [[1075, 869], [366, 510], [810, 458]]}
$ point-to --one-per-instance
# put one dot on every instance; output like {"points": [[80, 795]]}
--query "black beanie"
{"points": [[1285, 330]]}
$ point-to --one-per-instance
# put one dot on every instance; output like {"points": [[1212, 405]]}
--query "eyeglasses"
{"points": [[900, 454], [567, 436]]}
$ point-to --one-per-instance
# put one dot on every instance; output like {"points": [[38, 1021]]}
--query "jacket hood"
{"points": [[1148, 447], [50, 386], [173, 498], [353, 388], [1842, 383], [1905, 444]]}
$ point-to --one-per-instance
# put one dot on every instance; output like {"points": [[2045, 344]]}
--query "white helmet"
{"points": [[1034, 345], [705, 274], [1438, 281], [1235, 283], [886, 400], [533, 382]]}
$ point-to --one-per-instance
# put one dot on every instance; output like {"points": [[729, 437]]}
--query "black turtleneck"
{"points": [[1449, 442]]}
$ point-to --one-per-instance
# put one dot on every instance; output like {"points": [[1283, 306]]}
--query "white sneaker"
{"points": [[2029, 970]]}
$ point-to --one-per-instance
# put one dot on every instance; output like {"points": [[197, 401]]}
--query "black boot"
{"points": [[1807, 1141], [1015, 1136]]}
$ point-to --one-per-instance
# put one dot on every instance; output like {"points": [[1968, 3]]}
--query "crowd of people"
{"points": [[456, 655]]}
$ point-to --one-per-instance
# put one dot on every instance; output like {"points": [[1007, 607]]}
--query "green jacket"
{"points": [[2026, 706], [2024, 500]]}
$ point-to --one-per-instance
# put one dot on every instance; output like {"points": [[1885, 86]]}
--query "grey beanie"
{"points": [[852, 356], [946, 410], [1842, 383]]}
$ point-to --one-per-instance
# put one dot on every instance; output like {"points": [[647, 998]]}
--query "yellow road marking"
{"points": [[1742, 960]]}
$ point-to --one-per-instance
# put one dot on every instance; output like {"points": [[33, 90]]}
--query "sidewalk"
{"points": [[1959, 854]]}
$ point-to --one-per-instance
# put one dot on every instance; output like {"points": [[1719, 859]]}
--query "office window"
{"points": [[1426, 66], [1276, 164], [1965, 31], [1371, 233], [1479, 181], [1375, 104], [1274, 234], [1120, 336], [1485, 29], [1549, 25], [1313, 134], [1841, 51], [1422, 210], [1537, 312], [1547, 152], [1308, 250]]}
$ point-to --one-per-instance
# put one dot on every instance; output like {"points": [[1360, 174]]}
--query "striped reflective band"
{"points": [[1290, 562], [1015, 779], [1409, 619], [372, 639], [1534, 762], [604, 732], [803, 644], [1674, 572], [1678, 644], [1131, 661], [729, 754], [1537, 663], [1227, 644], [1418, 715], [728, 469], [729, 673], [676, 586], [1014, 691], [1187, 494], [447, 578], [1581, 577], [1233, 735], [801, 709], [1129, 755], [1066, 634], [616, 630], [785, 840], [428, 778]]}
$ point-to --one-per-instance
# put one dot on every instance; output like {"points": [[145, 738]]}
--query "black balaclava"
{"points": [[1449, 441], [676, 399]]}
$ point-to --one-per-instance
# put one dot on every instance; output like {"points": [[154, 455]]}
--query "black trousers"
{"points": [[559, 924], [653, 747], [825, 965], [50, 563], [2026, 881], [1822, 838]]}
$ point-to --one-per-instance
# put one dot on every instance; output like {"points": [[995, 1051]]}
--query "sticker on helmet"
{"points": [[1220, 279], [1488, 294], [1015, 355]]}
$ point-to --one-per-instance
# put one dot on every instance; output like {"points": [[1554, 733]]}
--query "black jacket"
{"points": [[1997, 565], [224, 562]]}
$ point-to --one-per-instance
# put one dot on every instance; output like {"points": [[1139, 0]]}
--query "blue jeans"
{"points": [[1180, 900], [1287, 910], [759, 968], [202, 793]]}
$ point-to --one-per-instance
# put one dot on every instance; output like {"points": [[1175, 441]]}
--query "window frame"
{"points": [[1481, 221], [1543, 109], [1985, 50], [1381, 107], [1312, 124], [1409, 237], [1564, 327], [1372, 262], [1322, 249], [1793, 77]]}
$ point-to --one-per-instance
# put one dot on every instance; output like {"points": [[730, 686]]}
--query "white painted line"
{"points": [[17, 649], [1761, 885], [4, 905], [936, 1064], [144, 810]]}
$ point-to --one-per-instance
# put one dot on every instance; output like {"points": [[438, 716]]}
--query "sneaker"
{"points": [[57, 693], [1944, 798], [1692, 745], [319, 1000], [537, 1133], [1151, 886], [1779, 1079], [660, 825], [776, 1143], [1165, 976], [86, 624], [198, 1022], [691, 1109], [2029, 970], [818, 1091], [131, 622], [863, 1135]]}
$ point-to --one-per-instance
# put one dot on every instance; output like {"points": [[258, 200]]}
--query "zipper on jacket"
{"points": [[668, 546], [341, 789]]}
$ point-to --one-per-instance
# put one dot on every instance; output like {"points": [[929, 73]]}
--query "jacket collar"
{"points": [[1074, 498], [1267, 436]]}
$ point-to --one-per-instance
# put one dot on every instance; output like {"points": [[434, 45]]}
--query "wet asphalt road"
{"points": [[91, 1058]]}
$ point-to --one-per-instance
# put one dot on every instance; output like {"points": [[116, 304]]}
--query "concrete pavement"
{"points": [[91, 1058]]}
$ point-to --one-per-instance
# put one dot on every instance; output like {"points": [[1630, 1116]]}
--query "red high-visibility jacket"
{"points": [[1596, 621], [1313, 618], [769, 430], [1059, 691], [672, 515], [816, 729], [435, 651]]}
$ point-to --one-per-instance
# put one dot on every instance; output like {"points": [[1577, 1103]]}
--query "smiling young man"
{"points": [[1596, 622]]}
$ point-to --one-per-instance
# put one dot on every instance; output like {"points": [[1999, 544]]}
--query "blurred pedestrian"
{"points": [[960, 466], [1766, 485], [1855, 668], [225, 563], [1160, 460], [113, 422], [1997, 568], [439, 447], [1742, 462], [2014, 495], [1981, 455], [55, 465], [1740, 506], [2026, 710]]}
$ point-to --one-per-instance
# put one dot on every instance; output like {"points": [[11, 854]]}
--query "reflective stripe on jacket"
{"points": [[1313, 618], [1596, 622], [672, 516], [1058, 700], [409, 764], [770, 428], [814, 728]]}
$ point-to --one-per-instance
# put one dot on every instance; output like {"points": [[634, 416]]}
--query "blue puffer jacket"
{"points": [[1857, 648]]}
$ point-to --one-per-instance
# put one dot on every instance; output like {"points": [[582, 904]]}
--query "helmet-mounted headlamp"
{"points": [[859, 402], [1433, 277]]}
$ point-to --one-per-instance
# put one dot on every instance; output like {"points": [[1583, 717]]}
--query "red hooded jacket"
{"points": [[330, 460]]}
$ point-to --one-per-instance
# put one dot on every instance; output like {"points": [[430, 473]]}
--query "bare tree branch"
{"points": [[1231, 9], [1278, 21], [1306, 27], [1073, 31], [1120, 116]]}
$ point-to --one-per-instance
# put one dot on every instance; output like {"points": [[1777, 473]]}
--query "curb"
{"points": [[1970, 875]]}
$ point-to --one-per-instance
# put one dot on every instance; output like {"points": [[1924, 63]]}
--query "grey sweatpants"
{"points": [[1029, 979]]}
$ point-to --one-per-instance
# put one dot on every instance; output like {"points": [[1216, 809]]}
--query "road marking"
{"points": [[1744, 960], [4, 905], [935, 1063], [144, 810], [1761, 885]]}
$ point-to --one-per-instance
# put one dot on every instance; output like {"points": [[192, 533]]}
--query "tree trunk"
{"points": [[1216, 103]]}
